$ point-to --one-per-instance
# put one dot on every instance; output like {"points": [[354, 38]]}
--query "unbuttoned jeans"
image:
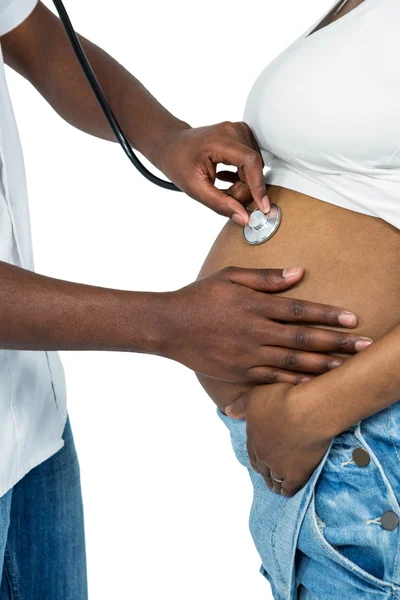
{"points": [[327, 542], [42, 542]]}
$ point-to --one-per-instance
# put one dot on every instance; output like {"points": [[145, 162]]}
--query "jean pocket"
{"points": [[346, 505]]}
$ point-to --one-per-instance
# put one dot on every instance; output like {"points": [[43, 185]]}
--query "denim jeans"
{"points": [[327, 542], [42, 543]]}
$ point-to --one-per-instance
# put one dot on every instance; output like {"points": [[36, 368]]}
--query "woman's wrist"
{"points": [[364, 385]]}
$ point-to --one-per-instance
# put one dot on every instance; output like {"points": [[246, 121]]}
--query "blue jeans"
{"points": [[42, 543], [327, 542]]}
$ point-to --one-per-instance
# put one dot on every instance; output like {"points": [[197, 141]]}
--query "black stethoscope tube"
{"points": [[98, 92]]}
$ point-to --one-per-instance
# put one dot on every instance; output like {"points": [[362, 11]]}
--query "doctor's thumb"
{"points": [[265, 280]]}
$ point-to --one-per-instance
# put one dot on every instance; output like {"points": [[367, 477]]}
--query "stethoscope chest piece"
{"points": [[261, 227]]}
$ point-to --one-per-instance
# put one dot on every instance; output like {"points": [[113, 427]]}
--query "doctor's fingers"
{"points": [[295, 310], [240, 190], [301, 337], [282, 365], [250, 168]]}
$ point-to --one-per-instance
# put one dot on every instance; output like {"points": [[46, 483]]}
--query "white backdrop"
{"points": [[166, 502]]}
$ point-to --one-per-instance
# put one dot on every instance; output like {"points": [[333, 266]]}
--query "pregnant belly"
{"points": [[351, 260]]}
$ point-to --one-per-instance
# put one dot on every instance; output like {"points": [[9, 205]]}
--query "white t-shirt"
{"points": [[33, 408], [325, 111]]}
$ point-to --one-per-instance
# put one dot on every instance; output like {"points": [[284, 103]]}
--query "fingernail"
{"points": [[228, 410], [290, 272], [334, 363], [305, 378], [361, 344], [347, 318], [239, 219], [265, 204]]}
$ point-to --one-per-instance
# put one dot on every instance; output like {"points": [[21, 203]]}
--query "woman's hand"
{"points": [[189, 157], [284, 438]]}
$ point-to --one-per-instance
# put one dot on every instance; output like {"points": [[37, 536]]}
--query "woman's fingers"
{"points": [[266, 473], [261, 467], [252, 456], [276, 485]]}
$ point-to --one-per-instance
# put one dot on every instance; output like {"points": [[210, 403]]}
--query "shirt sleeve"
{"points": [[13, 13]]}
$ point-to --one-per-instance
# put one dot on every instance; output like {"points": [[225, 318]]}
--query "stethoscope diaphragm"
{"points": [[262, 226]]}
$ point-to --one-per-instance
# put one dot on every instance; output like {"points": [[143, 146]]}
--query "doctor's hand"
{"points": [[286, 437], [189, 157], [225, 326]]}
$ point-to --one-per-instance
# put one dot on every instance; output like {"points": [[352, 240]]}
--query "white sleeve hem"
{"points": [[14, 14]]}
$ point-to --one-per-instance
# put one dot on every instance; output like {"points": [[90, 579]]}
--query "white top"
{"points": [[32, 386], [326, 112]]}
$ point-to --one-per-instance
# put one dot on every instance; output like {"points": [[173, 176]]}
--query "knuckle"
{"points": [[302, 338], [331, 317], [270, 376], [242, 125], [229, 271], [267, 276], [259, 184], [253, 158], [325, 364], [220, 208], [228, 127], [344, 342], [297, 309], [291, 360]]}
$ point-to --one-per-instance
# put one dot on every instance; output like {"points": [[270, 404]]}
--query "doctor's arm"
{"points": [[39, 50]]}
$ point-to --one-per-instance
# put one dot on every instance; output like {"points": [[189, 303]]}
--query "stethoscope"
{"points": [[260, 227]]}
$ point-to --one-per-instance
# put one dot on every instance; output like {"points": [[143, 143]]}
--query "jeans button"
{"points": [[361, 457], [389, 520]]}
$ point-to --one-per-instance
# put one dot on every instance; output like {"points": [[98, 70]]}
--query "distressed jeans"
{"points": [[339, 536]]}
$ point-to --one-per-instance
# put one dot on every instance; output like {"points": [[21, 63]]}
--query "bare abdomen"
{"points": [[351, 260]]}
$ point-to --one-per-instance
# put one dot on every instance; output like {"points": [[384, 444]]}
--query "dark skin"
{"points": [[198, 325]]}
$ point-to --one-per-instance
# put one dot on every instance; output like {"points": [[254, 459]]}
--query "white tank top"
{"points": [[326, 112]]}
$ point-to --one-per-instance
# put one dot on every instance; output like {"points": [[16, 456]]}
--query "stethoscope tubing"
{"points": [[101, 99]]}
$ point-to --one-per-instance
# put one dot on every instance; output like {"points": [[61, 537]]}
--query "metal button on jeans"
{"points": [[389, 520], [361, 457]]}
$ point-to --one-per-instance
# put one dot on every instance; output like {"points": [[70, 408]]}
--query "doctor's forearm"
{"points": [[42, 313], [40, 51]]}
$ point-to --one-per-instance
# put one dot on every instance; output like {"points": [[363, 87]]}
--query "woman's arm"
{"points": [[358, 388], [361, 387], [290, 428]]}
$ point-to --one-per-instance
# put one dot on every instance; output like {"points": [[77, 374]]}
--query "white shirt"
{"points": [[325, 112], [33, 408]]}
